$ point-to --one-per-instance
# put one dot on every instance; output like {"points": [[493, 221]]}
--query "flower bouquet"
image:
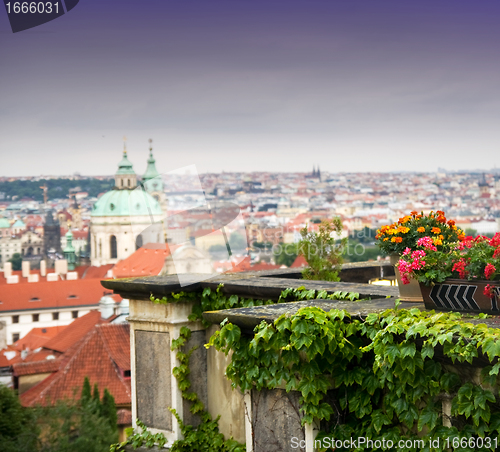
{"points": [[464, 276], [395, 238]]}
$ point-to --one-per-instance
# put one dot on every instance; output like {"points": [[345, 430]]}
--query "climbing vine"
{"points": [[382, 377], [206, 436]]}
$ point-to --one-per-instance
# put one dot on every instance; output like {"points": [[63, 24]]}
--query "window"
{"points": [[74, 314], [15, 337], [55, 316], [35, 299], [35, 317], [15, 319], [127, 373], [138, 242], [112, 246]]}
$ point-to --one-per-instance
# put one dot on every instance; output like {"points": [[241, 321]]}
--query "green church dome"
{"points": [[121, 203], [4, 223]]}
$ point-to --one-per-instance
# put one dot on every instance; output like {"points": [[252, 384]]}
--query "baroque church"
{"points": [[128, 216]]}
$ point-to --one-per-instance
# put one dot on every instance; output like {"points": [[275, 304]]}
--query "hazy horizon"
{"points": [[253, 86]]}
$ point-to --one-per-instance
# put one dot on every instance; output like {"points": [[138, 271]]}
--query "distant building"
{"points": [[51, 237], [125, 218]]}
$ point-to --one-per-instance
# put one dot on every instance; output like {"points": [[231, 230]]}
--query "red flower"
{"points": [[489, 291], [496, 253], [495, 241], [460, 268], [489, 271]]}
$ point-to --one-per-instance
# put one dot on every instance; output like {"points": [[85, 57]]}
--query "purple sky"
{"points": [[245, 85]]}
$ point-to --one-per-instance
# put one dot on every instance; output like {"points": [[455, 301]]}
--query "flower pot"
{"points": [[407, 292], [461, 295]]}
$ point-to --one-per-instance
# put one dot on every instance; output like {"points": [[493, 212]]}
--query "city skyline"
{"points": [[253, 86]]}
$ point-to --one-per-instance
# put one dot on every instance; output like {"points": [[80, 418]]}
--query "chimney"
{"points": [[61, 266], [43, 268], [106, 306], [7, 269], [25, 269], [13, 279]]}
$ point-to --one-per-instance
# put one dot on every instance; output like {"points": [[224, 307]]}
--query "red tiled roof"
{"points": [[97, 272], [124, 417], [36, 367], [4, 362], [300, 261], [37, 337], [53, 294], [144, 262], [117, 342], [90, 358], [75, 331]]}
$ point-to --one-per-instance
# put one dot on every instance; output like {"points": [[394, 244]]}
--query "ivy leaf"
{"points": [[428, 417], [392, 352], [379, 419], [407, 349]]}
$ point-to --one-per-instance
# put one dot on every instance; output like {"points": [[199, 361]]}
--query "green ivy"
{"points": [[206, 437], [376, 377]]}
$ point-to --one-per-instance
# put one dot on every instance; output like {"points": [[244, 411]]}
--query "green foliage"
{"points": [[66, 426], [237, 242], [74, 427], [18, 429], [56, 188], [86, 391], [321, 252], [206, 437], [286, 254], [375, 377], [263, 245], [108, 408], [95, 395], [17, 261]]}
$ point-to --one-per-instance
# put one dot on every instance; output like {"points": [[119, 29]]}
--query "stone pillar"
{"points": [[153, 327]]}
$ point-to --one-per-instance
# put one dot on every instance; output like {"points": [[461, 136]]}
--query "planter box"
{"points": [[461, 295], [407, 292]]}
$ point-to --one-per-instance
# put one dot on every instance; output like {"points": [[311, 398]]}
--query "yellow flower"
{"points": [[387, 238], [437, 242], [421, 229], [403, 229]]}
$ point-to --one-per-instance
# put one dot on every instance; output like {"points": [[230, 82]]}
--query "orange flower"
{"points": [[461, 237], [440, 213], [403, 229], [387, 238], [397, 239], [413, 212], [436, 230], [454, 227], [451, 223], [421, 229], [441, 219], [437, 242]]}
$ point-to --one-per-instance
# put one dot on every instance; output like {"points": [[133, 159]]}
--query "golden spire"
{"points": [[124, 145]]}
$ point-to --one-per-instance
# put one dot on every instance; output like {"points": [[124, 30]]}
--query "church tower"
{"points": [[124, 218], [153, 182], [51, 235]]}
